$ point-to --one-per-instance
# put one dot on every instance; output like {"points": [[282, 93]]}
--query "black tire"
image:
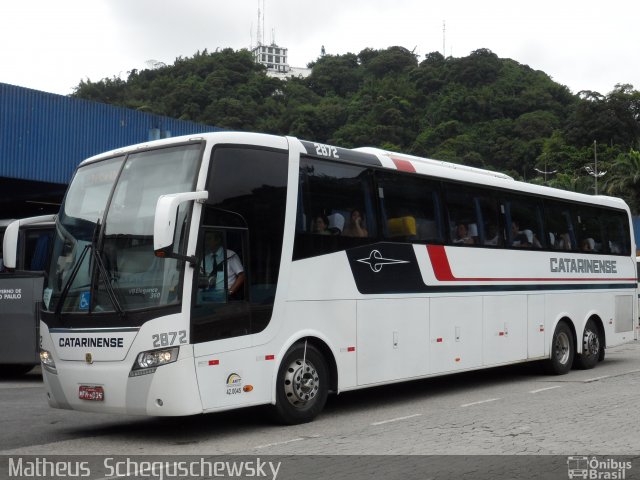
{"points": [[562, 351], [13, 371], [592, 347], [302, 385]]}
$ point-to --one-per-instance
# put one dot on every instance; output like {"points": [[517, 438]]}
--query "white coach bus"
{"points": [[207, 273]]}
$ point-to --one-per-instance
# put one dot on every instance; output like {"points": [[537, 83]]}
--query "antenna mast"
{"points": [[444, 29], [258, 30], [264, 14]]}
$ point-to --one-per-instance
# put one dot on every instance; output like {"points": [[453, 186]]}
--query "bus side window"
{"points": [[410, 208], [616, 227], [524, 222], [335, 208]]}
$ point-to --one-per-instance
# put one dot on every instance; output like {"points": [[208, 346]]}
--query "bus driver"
{"points": [[214, 266]]}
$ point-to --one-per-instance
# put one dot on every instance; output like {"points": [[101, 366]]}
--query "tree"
{"points": [[478, 110], [624, 179]]}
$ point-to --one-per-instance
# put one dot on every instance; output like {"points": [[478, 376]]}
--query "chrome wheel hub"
{"points": [[301, 383], [591, 343], [561, 348]]}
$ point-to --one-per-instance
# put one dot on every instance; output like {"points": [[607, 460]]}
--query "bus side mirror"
{"points": [[164, 225], [10, 241]]}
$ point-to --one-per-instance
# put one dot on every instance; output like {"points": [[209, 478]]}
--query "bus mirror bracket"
{"points": [[164, 224], [11, 234]]}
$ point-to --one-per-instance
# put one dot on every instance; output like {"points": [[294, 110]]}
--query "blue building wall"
{"points": [[44, 136]]}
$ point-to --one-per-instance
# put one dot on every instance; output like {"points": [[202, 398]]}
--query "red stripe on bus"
{"points": [[404, 165], [443, 273]]}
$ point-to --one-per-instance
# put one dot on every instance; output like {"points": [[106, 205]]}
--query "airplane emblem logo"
{"points": [[376, 261]]}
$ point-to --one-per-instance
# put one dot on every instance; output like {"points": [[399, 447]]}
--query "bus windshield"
{"points": [[103, 259]]}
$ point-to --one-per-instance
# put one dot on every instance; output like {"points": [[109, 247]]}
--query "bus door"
{"points": [[221, 315]]}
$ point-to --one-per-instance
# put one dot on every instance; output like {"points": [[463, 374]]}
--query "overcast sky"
{"points": [[51, 46]]}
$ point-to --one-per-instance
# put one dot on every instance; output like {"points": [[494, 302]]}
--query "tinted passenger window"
{"points": [[335, 208], [617, 238], [523, 222], [473, 217], [562, 234], [410, 208], [589, 230]]}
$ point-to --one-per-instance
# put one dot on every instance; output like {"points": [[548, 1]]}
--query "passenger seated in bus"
{"points": [[461, 235], [320, 225], [336, 223], [562, 242], [492, 235], [356, 226], [588, 245], [523, 238]]}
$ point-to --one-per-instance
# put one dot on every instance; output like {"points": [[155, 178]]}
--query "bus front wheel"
{"points": [[562, 350], [591, 347], [302, 385]]}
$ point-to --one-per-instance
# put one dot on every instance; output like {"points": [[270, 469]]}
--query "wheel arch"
{"points": [[566, 320], [319, 342]]}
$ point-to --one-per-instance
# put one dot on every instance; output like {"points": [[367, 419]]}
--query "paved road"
{"points": [[514, 410]]}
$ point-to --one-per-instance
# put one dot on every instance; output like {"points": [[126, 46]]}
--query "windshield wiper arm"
{"points": [[102, 271]]}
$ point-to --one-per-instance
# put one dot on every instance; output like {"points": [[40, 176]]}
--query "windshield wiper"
{"points": [[102, 272]]}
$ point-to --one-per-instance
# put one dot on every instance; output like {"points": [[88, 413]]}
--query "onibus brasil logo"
{"points": [[593, 468]]}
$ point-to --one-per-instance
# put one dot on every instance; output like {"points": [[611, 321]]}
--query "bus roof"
{"points": [[425, 166]]}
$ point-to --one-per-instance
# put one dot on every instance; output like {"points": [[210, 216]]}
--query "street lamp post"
{"points": [[545, 172], [594, 171]]}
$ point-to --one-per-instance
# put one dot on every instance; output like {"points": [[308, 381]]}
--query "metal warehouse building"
{"points": [[44, 136]]}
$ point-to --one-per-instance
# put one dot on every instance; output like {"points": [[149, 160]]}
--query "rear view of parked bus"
{"points": [[25, 256], [202, 274]]}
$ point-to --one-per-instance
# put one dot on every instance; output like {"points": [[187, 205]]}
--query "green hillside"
{"points": [[479, 110]]}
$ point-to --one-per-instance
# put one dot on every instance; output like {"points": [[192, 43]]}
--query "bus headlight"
{"points": [[147, 362], [47, 361]]}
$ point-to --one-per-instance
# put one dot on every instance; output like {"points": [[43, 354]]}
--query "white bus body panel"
{"points": [[393, 336], [137, 395], [456, 333]]}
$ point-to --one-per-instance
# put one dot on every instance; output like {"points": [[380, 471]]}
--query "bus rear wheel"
{"points": [[562, 350], [302, 385], [591, 347]]}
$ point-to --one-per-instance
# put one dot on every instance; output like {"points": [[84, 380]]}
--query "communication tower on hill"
{"points": [[273, 56]]}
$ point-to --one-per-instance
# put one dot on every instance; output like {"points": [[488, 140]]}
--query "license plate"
{"points": [[95, 394]]}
